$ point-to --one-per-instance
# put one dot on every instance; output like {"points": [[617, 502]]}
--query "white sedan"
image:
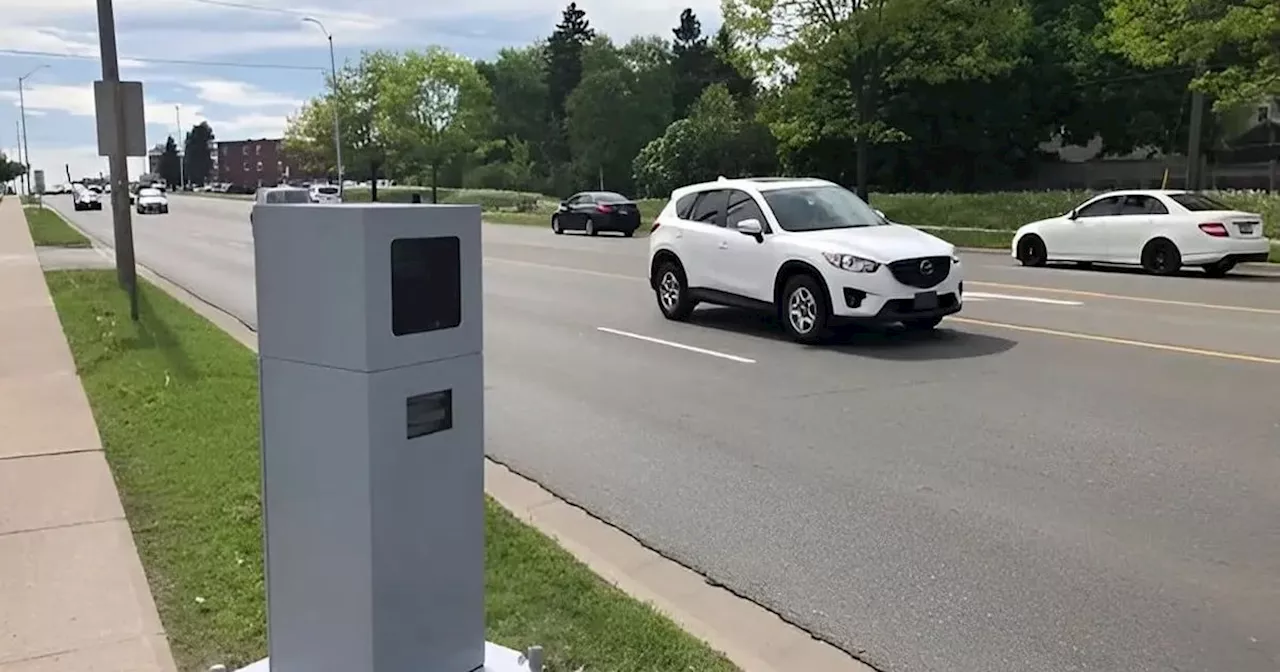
{"points": [[1162, 231], [151, 199]]}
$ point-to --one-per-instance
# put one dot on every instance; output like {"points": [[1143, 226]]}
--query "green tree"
{"points": [[518, 82], [170, 166], [198, 164], [623, 102], [10, 170], [437, 107], [725, 69], [304, 136], [715, 139], [564, 72], [864, 47], [361, 107], [1063, 86], [1233, 45], [691, 62]]}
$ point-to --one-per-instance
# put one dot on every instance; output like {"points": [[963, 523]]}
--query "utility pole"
{"points": [[22, 107], [1195, 163], [182, 150], [126, 270], [17, 183], [337, 133]]}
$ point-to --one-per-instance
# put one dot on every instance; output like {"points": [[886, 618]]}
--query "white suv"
{"points": [[809, 250]]}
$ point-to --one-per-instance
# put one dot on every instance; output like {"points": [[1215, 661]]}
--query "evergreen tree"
{"points": [[170, 169], [564, 71], [692, 63]]}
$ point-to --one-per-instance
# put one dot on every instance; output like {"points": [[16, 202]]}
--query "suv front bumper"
{"points": [[879, 297]]}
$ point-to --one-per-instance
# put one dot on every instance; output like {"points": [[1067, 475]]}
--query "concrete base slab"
{"points": [[496, 659], [56, 491]]}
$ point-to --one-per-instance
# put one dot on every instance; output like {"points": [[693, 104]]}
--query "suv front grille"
{"points": [[922, 272]]}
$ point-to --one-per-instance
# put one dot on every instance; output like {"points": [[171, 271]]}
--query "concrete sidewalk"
{"points": [[73, 596]]}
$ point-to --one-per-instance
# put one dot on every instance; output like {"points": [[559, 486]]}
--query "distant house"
{"points": [[1251, 133], [253, 163]]}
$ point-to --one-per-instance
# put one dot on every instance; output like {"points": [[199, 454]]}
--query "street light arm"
{"points": [[319, 25]]}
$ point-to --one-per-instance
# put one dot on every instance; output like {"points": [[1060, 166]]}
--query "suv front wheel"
{"points": [[672, 292], [804, 310]]}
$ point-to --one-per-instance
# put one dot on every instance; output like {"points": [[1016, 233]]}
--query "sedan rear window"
{"points": [[288, 196], [1198, 202]]}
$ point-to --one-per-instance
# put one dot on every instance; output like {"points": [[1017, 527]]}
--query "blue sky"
{"points": [[243, 102]]}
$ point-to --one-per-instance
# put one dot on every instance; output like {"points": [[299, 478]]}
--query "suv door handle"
{"points": [[724, 244]]}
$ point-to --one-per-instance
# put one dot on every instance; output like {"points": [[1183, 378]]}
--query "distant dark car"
{"points": [[596, 211]]}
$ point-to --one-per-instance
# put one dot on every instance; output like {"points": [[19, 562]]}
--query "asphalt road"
{"points": [[1078, 473]]}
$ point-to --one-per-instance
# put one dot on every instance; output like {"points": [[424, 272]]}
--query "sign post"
{"points": [[38, 176], [122, 132], [370, 344]]}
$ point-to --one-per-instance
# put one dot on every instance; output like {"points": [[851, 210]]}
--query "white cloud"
{"points": [[52, 40], [240, 94], [83, 161], [71, 99]]}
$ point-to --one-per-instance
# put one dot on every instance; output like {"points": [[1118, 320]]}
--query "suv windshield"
{"points": [[820, 208], [1198, 202]]}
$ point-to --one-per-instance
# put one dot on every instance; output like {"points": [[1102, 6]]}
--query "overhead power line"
{"points": [[261, 8], [165, 61]]}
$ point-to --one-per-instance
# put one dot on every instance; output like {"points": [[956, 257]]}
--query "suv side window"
{"points": [[743, 205], [684, 206], [710, 208]]}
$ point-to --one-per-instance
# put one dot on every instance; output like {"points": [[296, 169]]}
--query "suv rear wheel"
{"points": [[804, 310]]}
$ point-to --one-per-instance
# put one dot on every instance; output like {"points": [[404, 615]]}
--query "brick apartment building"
{"points": [[253, 163]]}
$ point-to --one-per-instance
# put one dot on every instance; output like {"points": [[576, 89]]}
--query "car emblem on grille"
{"points": [[926, 267]]}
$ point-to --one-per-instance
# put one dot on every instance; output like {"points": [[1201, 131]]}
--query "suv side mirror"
{"points": [[881, 213], [750, 227], [564, 204], [1072, 215]]}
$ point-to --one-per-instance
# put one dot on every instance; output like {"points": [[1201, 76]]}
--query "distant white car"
{"points": [[84, 198], [1161, 231], [325, 193], [290, 195], [152, 200]]}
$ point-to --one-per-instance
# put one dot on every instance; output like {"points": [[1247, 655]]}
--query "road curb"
{"points": [[753, 637]]}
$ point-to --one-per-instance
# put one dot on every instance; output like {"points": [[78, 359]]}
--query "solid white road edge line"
{"points": [[673, 344], [1011, 297]]}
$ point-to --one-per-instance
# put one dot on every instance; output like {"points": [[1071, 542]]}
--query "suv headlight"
{"points": [[851, 263]]}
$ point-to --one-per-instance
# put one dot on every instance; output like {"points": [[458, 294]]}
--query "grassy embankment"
{"points": [[176, 403], [49, 229]]}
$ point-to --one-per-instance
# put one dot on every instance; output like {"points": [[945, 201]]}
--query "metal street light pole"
{"points": [[182, 150], [337, 133], [22, 107]]}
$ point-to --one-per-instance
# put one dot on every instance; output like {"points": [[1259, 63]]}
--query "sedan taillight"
{"points": [[1215, 229], [604, 208]]}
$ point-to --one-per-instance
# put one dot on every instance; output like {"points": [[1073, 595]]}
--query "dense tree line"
{"points": [[895, 94], [10, 170]]}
